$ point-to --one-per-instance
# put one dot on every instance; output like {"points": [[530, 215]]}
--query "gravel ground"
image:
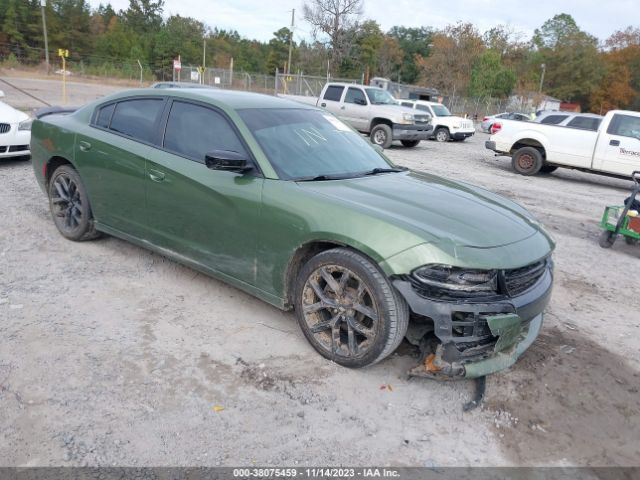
{"points": [[112, 355]]}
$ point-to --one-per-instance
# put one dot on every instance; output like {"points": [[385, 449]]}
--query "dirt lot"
{"points": [[111, 355]]}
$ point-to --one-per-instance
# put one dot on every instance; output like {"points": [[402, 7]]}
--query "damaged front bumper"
{"points": [[478, 338]]}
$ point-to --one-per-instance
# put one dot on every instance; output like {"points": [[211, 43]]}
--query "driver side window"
{"points": [[625, 126], [194, 130], [356, 96]]}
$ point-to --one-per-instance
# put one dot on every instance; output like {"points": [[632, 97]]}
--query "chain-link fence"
{"points": [[304, 85], [280, 83]]}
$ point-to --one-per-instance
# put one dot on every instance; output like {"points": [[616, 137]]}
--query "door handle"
{"points": [[156, 175], [342, 107], [84, 146], [614, 143], [323, 104]]}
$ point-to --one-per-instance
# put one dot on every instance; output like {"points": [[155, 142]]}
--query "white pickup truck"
{"points": [[373, 111], [612, 149]]}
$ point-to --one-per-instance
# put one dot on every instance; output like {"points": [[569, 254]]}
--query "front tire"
{"points": [[382, 135], [410, 143], [69, 205], [442, 135], [527, 161], [348, 310]]}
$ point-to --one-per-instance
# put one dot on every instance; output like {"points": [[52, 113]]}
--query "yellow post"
{"points": [[63, 53]]}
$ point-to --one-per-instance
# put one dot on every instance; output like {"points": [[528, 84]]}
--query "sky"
{"points": [[258, 19]]}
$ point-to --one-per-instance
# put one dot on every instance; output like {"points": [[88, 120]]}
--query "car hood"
{"points": [[395, 109], [434, 208], [9, 114]]}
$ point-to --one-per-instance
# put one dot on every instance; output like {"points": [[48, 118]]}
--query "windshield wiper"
{"points": [[321, 178], [376, 171]]}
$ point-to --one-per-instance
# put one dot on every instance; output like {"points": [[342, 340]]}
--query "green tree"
{"points": [[489, 77], [279, 50], [574, 67], [413, 42]]}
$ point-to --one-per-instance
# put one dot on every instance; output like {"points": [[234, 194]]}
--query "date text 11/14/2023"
{"points": [[317, 472]]}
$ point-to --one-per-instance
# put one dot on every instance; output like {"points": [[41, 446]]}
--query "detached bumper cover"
{"points": [[490, 145], [479, 338], [412, 132]]}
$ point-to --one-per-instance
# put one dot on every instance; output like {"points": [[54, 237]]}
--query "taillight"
{"points": [[496, 127]]}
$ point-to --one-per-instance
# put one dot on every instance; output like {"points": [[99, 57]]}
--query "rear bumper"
{"points": [[412, 132], [490, 145], [509, 326]]}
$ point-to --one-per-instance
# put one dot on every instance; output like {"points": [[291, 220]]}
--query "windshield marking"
{"points": [[310, 136]]}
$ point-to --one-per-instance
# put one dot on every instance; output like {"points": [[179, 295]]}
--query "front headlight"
{"points": [[25, 125], [456, 279], [407, 118]]}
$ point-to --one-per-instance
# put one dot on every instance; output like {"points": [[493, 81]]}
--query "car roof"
{"points": [[232, 99], [546, 113], [180, 85]]}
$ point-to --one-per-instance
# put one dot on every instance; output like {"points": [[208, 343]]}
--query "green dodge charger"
{"points": [[289, 204]]}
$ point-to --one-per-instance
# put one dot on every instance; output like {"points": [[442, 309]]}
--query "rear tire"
{"points": [[410, 143], [382, 135], [69, 205], [631, 241], [527, 161], [348, 310], [607, 239]]}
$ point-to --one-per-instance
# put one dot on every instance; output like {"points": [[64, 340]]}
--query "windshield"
{"points": [[304, 144], [377, 96], [441, 111]]}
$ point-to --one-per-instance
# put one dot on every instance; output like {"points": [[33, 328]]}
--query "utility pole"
{"points": [[544, 68], [43, 4], [293, 19]]}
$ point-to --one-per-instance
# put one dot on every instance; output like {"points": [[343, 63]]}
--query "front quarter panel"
{"points": [[293, 217]]}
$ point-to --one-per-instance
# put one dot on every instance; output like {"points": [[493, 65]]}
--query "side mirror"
{"points": [[227, 160]]}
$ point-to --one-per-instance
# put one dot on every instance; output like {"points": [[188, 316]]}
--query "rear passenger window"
{"points": [[194, 130], [553, 119], [333, 93], [585, 123], [104, 115], [424, 108], [137, 118]]}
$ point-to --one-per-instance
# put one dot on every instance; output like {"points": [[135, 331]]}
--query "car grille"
{"points": [[4, 127], [521, 279], [421, 119], [18, 148], [468, 124]]}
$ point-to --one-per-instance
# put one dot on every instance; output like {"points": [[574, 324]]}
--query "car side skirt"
{"points": [[250, 289]]}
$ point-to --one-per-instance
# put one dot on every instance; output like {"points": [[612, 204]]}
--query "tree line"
{"points": [[458, 59]]}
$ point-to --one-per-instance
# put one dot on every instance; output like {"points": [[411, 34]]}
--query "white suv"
{"points": [[445, 126]]}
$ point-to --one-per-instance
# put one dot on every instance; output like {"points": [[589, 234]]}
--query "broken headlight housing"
{"points": [[457, 280]]}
